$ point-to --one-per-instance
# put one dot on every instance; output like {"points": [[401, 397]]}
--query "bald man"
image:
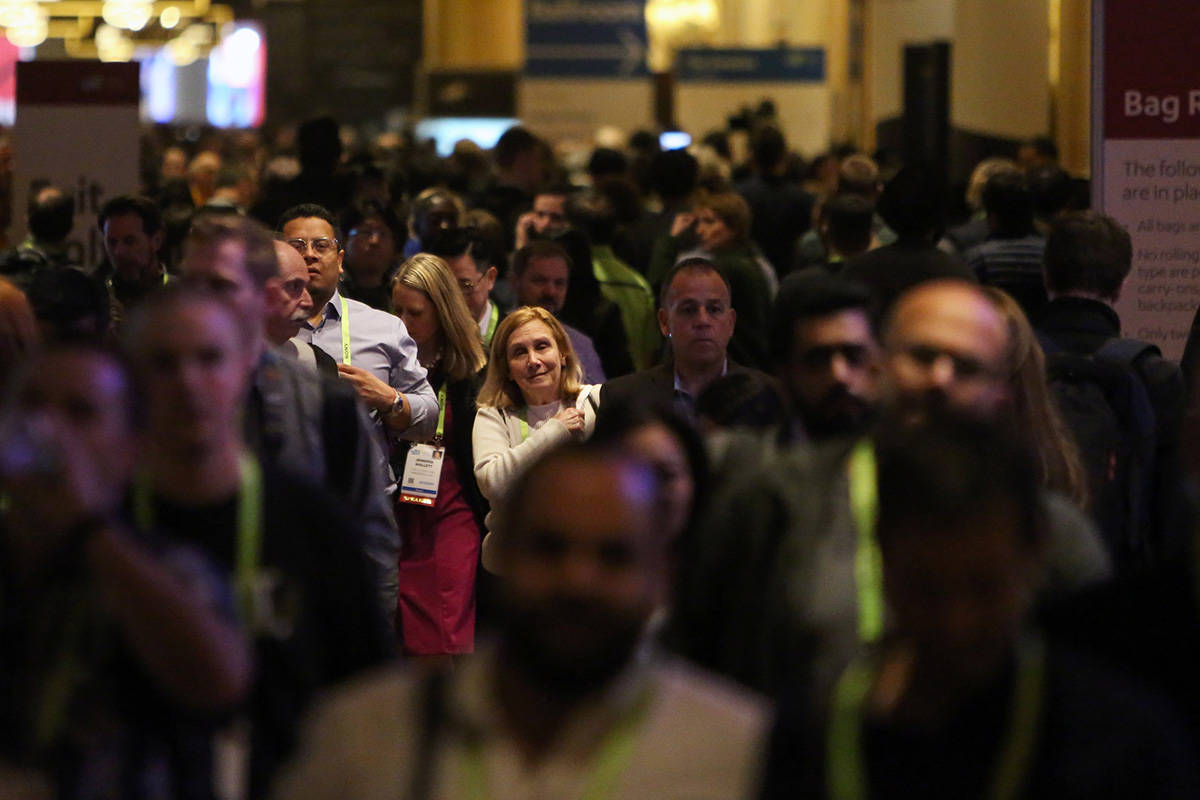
{"points": [[945, 348], [946, 345], [289, 304]]}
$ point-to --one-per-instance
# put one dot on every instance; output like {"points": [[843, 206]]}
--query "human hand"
{"points": [[372, 391], [572, 418], [524, 232], [682, 222]]}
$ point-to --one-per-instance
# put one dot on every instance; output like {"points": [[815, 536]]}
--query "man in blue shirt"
{"points": [[373, 349]]}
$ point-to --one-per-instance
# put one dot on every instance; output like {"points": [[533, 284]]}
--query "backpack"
{"points": [[1105, 404]]}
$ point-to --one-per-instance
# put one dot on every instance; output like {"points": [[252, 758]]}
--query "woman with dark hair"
{"points": [[718, 229]]}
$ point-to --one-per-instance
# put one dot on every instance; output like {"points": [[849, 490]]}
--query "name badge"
{"points": [[422, 473]]}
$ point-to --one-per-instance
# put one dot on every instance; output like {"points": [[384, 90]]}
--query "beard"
{"points": [[570, 646]]}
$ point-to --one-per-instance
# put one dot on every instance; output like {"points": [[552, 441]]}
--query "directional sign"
{"points": [[585, 38], [746, 65]]}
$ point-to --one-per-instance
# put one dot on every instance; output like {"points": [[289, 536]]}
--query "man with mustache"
{"points": [[572, 701], [294, 418], [825, 354]]}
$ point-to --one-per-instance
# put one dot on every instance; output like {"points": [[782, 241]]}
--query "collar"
{"points": [[482, 322], [331, 309], [474, 708], [679, 388], [1082, 314]]}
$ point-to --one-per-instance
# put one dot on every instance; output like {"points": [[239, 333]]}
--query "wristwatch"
{"points": [[397, 404]]}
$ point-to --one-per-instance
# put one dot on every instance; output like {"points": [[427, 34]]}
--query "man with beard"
{"points": [[781, 587], [571, 701], [825, 354]]}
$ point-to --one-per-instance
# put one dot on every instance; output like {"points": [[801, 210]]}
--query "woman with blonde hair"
{"points": [[1033, 408], [532, 400], [436, 609]]}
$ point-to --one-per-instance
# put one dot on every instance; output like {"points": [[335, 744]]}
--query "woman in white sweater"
{"points": [[531, 401]]}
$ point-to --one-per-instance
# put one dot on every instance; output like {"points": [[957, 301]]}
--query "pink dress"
{"points": [[435, 613]]}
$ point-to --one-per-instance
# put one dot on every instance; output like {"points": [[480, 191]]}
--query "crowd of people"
{"points": [[363, 473]]}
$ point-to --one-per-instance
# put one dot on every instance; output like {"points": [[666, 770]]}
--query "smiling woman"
{"points": [[531, 401]]}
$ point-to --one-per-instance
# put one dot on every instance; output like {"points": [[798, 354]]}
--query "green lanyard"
{"points": [[345, 331], [868, 563], [846, 777], [493, 321], [67, 673], [614, 754], [439, 434], [249, 528], [523, 418]]}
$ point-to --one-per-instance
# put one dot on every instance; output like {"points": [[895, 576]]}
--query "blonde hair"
{"points": [[462, 347], [983, 171], [1033, 408], [499, 389]]}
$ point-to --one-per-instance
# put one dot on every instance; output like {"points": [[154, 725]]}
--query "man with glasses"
{"points": [[698, 319], [371, 254], [373, 349], [313, 427], [473, 264], [809, 514]]}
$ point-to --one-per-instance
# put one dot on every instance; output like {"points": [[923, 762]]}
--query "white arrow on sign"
{"points": [[630, 51]]}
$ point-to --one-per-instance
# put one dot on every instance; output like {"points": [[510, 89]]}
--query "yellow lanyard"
{"points": [[345, 331], [601, 782], [846, 770], [868, 564], [523, 418], [493, 321], [66, 673], [249, 528], [439, 434]]}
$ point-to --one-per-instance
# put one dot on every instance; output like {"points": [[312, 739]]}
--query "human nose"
{"points": [[839, 368], [941, 371]]}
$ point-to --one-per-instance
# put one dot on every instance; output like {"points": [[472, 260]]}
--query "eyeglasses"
{"points": [[321, 247], [466, 285]]}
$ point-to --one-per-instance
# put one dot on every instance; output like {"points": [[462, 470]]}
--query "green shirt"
{"points": [[626, 288]]}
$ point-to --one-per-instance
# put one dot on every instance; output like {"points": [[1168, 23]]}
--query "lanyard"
{"points": [[846, 777], [601, 782], [439, 434], [249, 528], [67, 673], [493, 321], [868, 564], [523, 418], [345, 325]]}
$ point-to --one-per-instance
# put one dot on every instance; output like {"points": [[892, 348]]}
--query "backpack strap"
{"points": [[1126, 351]]}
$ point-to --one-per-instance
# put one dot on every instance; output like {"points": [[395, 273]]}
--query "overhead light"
{"points": [[129, 14], [182, 52], [112, 44], [16, 12], [170, 16], [29, 33]]}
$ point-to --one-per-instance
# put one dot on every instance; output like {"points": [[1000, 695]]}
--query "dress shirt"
{"points": [[380, 344]]}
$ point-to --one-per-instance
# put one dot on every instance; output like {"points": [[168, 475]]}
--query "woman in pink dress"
{"points": [[436, 608]]}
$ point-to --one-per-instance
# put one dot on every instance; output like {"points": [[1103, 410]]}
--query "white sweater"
{"points": [[501, 455]]}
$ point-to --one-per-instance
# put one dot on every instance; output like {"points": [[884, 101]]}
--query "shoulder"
{"points": [[709, 698], [636, 383]]}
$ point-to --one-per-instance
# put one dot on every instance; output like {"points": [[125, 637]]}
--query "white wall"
{"points": [[803, 109], [573, 109], [894, 24], [1000, 75]]}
